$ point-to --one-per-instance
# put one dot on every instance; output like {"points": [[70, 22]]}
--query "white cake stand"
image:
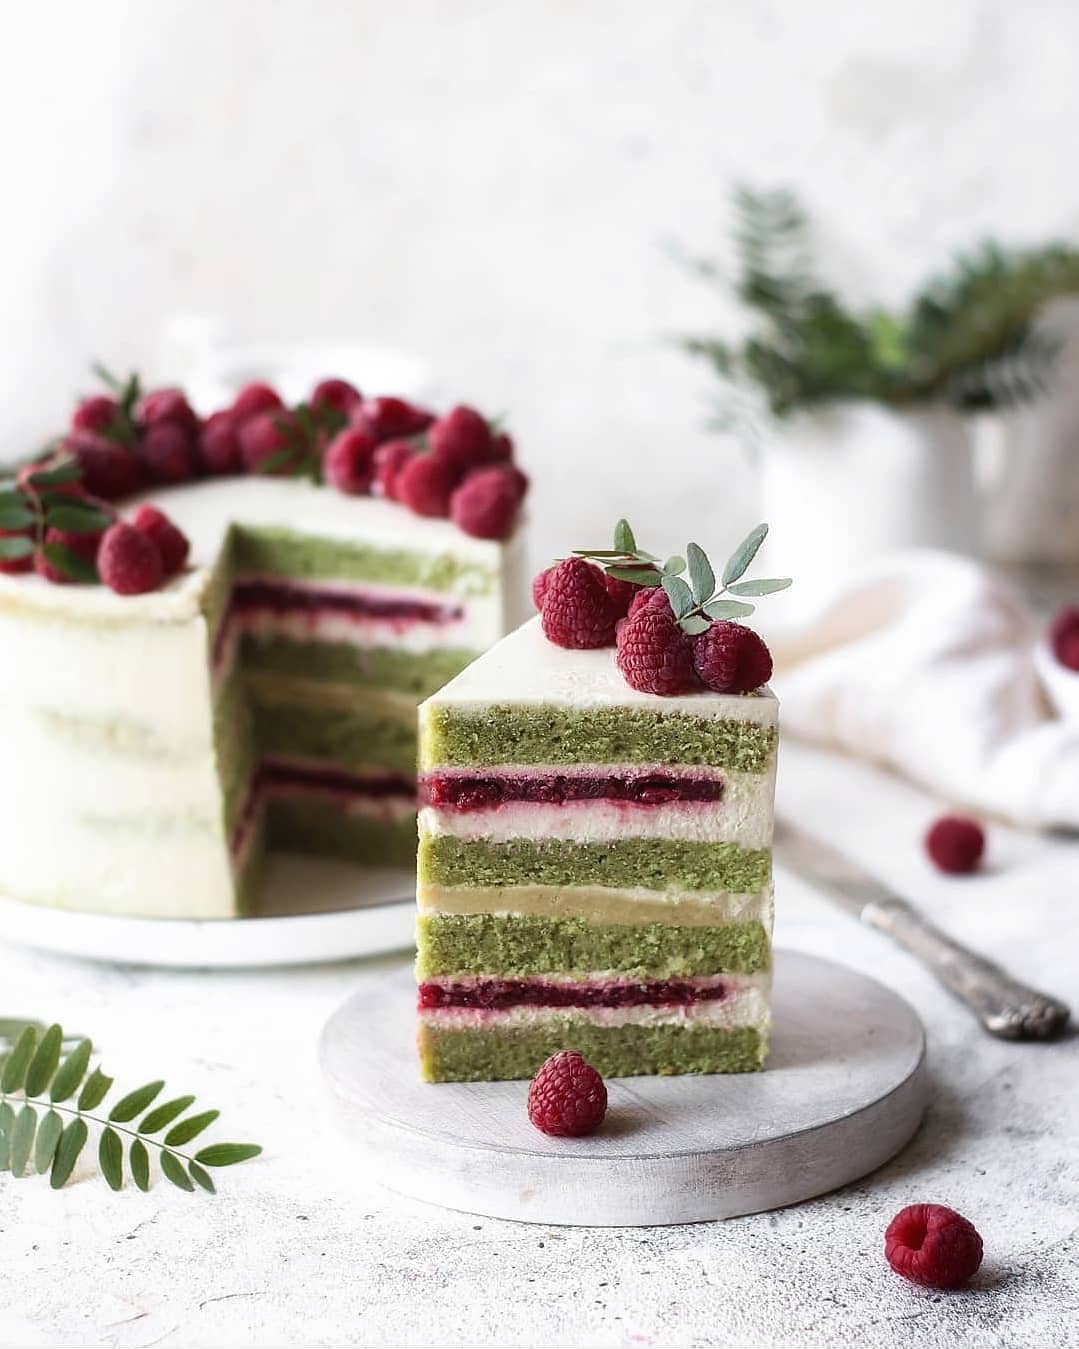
{"points": [[310, 910], [844, 1090]]}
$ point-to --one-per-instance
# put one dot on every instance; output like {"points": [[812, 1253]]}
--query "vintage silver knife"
{"points": [[1003, 1005]]}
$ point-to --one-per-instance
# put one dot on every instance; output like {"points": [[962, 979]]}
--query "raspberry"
{"points": [[577, 611], [567, 1098], [167, 406], [390, 459], [219, 444], [486, 504], [254, 399], [501, 446], [86, 546], [108, 470], [1064, 637], [334, 395], [649, 597], [171, 542], [391, 418], [955, 844], [654, 654], [267, 436], [461, 437], [933, 1246], [129, 561], [425, 485], [95, 414], [539, 586], [166, 451], [731, 658], [622, 593], [347, 463]]}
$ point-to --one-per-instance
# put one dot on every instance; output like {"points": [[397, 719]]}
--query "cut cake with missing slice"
{"points": [[594, 870]]}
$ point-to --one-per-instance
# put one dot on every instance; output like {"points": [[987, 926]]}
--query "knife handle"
{"points": [[1005, 1007]]}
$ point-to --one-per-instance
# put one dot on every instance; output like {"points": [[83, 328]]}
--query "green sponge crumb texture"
{"points": [[360, 737], [321, 825], [295, 556], [342, 663], [498, 1053], [507, 944], [662, 864], [505, 734]]}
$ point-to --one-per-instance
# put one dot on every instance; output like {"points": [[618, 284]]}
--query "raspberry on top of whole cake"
{"points": [[673, 624], [60, 516]]}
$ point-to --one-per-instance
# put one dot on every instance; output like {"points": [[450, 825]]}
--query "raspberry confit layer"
{"points": [[266, 698], [594, 869]]}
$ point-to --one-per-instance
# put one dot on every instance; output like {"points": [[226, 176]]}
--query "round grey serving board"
{"points": [[844, 1090]]}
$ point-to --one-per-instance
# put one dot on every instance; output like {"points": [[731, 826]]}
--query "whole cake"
{"points": [[595, 831], [244, 675]]}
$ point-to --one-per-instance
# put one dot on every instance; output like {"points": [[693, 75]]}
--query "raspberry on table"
{"points": [[654, 654], [933, 1246], [955, 844], [255, 399], [461, 437], [425, 485], [348, 462], [567, 1098], [731, 658], [486, 504], [577, 611], [172, 542], [1064, 637], [128, 560], [219, 444]]}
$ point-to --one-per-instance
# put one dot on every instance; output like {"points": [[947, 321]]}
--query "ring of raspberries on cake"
{"points": [[596, 812], [215, 631]]}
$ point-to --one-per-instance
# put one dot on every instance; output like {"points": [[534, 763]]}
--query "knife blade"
{"points": [[1005, 1006]]}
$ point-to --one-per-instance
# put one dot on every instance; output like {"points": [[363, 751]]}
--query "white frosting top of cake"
{"points": [[526, 668], [205, 510]]}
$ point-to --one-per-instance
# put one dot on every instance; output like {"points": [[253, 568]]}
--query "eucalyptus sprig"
{"points": [[699, 602], [128, 394], [306, 431], [43, 501], [48, 1097], [626, 562]]}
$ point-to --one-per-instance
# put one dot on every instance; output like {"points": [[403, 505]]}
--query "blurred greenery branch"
{"points": [[969, 338]]}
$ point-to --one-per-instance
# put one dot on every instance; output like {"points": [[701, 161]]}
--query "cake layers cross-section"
{"points": [[266, 697], [594, 870]]}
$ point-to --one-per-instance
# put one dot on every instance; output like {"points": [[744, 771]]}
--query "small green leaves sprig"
{"points": [[42, 502], [128, 394], [698, 602], [47, 1100]]}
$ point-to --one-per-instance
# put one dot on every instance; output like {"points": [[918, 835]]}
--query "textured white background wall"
{"points": [[493, 186]]}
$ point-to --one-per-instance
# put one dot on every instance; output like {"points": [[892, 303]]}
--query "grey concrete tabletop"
{"points": [[302, 1247]]}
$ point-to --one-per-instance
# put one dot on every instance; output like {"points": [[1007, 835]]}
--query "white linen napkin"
{"points": [[929, 663]]}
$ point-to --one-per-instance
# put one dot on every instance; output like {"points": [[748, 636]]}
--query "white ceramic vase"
{"points": [[858, 479]]}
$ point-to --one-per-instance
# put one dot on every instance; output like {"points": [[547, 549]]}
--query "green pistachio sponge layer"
{"points": [[320, 825], [504, 734], [511, 944], [342, 663], [653, 863], [614, 1051]]}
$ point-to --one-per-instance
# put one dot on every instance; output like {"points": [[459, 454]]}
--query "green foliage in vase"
{"points": [[51, 1100], [969, 338]]}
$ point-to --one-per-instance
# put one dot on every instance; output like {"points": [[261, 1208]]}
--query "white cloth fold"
{"points": [[929, 663]]}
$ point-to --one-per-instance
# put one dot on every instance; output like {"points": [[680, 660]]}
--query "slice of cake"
{"points": [[262, 697], [595, 858]]}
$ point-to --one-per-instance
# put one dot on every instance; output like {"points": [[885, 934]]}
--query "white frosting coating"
{"points": [[525, 668]]}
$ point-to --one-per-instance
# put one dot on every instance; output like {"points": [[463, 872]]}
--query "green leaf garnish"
{"points": [[72, 564], [13, 548], [41, 1129], [16, 517], [702, 578], [743, 555], [75, 518]]}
